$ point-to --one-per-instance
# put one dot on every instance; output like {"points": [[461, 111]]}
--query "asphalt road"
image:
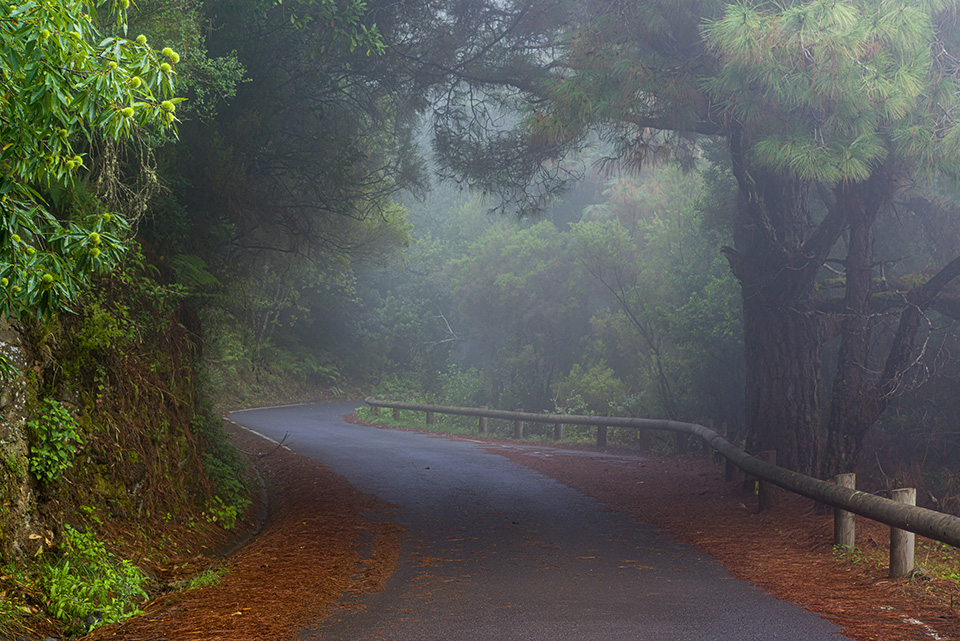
{"points": [[495, 551]]}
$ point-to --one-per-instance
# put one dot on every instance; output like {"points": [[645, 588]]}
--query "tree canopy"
{"points": [[829, 110], [65, 83], [299, 139]]}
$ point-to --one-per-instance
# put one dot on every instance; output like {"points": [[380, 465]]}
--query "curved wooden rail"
{"points": [[929, 523]]}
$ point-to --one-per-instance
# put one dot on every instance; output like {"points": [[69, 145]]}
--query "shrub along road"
{"points": [[493, 549]]}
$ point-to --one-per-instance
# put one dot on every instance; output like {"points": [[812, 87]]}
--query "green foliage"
{"points": [[634, 294], [87, 578], [55, 436], [462, 387], [225, 467], [524, 300], [223, 514], [208, 83], [830, 89], [672, 312], [208, 578], [193, 272], [13, 616], [66, 82], [103, 329], [591, 390], [404, 386]]}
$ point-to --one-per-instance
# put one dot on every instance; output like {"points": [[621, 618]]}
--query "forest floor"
{"points": [[317, 545]]}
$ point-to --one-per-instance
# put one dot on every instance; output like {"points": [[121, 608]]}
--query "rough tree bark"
{"points": [[854, 405], [778, 252], [783, 350]]}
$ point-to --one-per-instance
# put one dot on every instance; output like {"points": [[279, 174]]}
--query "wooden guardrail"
{"points": [[901, 516]]}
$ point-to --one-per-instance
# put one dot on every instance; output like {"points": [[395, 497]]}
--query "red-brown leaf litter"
{"points": [[315, 547], [318, 546], [787, 550]]}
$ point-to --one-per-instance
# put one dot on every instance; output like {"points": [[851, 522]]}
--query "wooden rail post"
{"points": [[376, 410], [396, 414], [901, 541], [731, 472], [482, 425], [767, 492], [518, 430], [844, 523], [601, 437], [429, 418], [558, 431]]}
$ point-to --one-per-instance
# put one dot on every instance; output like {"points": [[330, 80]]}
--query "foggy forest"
{"points": [[741, 213]]}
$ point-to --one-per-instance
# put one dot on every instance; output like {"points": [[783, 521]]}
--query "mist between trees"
{"points": [[691, 210]]}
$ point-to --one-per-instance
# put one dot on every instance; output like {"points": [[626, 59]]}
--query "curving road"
{"points": [[495, 551]]}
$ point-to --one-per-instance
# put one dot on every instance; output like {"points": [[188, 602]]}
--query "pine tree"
{"points": [[828, 108]]}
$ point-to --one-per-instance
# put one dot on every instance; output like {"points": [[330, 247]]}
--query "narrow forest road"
{"points": [[494, 550]]}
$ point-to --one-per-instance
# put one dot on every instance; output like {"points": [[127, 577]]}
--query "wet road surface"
{"points": [[495, 551]]}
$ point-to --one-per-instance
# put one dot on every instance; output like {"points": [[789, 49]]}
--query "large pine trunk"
{"points": [[777, 255], [783, 349], [854, 403]]}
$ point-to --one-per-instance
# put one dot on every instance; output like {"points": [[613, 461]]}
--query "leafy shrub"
{"points": [[226, 470], [401, 387], [462, 387], [87, 579], [55, 436], [224, 514], [593, 390]]}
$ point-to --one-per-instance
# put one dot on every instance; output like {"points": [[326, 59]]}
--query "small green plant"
{"points": [[223, 514], [207, 578], [11, 615], [857, 556], [366, 413], [55, 437], [86, 578], [226, 470], [91, 513], [939, 559]]}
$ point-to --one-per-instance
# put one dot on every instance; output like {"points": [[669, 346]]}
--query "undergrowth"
{"points": [[55, 437], [11, 615], [208, 578], [87, 582], [932, 559], [136, 452], [465, 425], [226, 469]]}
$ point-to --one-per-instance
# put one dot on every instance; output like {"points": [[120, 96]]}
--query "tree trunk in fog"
{"points": [[783, 350], [854, 403], [859, 397], [778, 253]]}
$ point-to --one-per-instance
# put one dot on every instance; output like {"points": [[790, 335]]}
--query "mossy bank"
{"points": [[107, 451]]}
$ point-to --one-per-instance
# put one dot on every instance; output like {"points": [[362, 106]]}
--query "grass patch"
{"points": [[208, 578], [933, 560]]}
